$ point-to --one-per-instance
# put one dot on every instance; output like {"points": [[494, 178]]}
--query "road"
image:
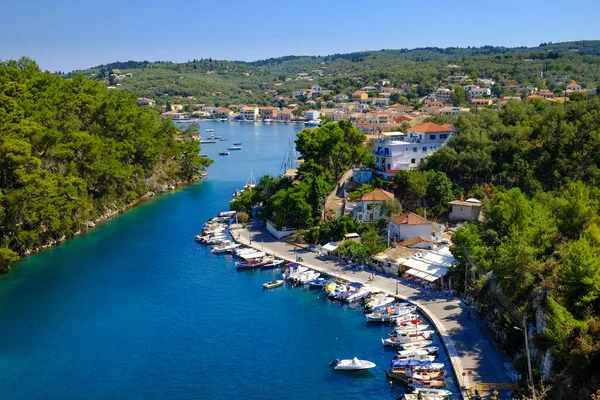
{"points": [[467, 346]]}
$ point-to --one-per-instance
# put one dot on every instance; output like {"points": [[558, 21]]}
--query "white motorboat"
{"points": [[415, 396], [380, 302], [273, 284], [433, 392], [410, 352], [418, 354], [225, 247], [291, 274], [357, 295], [412, 328], [273, 264], [209, 130], [433, 383], [352, 365], [234, 148], [226, 214], [305, 277], [416, 345], [391, 313], [243, 250], [400, 339]]}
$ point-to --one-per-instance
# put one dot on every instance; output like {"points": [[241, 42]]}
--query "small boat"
{"points": [[433, 383], [205, 141], [224, 153], [425, 375], [210, 130], [416, 396], [228, 214], [252, 264], [433, 392], [234, 148], [410, 352], [273, 284], [356, 295], [272, 264], [237, 143], [316, 283], [306, 277], [352, 365], [223, 139], [203, 155], [389, 314], [225, 247], [380, 302], [418, 354], [416, 345], [414, 328]]}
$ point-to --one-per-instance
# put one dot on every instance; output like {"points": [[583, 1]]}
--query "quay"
{"points": [[474, 358]]}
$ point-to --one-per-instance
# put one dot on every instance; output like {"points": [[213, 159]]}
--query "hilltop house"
{"points": [[223, 112], [468, 210], [360, 96], [368, 210], [144, 101], [396, 151], [409, 225]]}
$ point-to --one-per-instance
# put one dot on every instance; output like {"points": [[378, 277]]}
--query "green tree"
{"points": [[581, 276], [458, 96], [7, 257], [389, 208]]}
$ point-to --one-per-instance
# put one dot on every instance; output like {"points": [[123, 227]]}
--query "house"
{"points": [[223, 112], [574, 87], [368, 210], [468, 210], [409, 225], [249, 113], [449, 110], [268, 112], [402, 108], [380, 102], [443, 93], [458, 78], [547, 94], [429, 265], [396, 151], [481, 102], [480, 92], [368, 89], [434, 103], [420, 242], [359, 95], [176, 107], [143, 101], [312, 115], [391, 259], [355, 237], [341, 97], [316, 89], [384, 82], [284, 116], [301, 93], [488, 83]]}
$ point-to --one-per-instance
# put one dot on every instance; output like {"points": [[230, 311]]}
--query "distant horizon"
{"points": [[294, 55]]}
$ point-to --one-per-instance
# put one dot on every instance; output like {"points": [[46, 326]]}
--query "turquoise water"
{"points": [[135, 309]]}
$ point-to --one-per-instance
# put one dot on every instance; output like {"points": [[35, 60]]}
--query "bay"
{"points": [[136, 309]]}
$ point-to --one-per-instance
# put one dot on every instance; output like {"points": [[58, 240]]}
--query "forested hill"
{"points": [[218, 82], [72, 150]]}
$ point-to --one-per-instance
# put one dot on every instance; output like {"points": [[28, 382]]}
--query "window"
{"points": [[424, 148], [444, 136], [413, 160], [431, 137], [415, 149]]}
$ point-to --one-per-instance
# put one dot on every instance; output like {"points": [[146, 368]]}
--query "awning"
{"points": [[418, 274], [250, 256], [330, 246]]}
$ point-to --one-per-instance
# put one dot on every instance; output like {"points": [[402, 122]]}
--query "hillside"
{"points": [[72, 151], [216, 82]]}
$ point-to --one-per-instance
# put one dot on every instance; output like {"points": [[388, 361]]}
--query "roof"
{"points": [[468, 203], [417, 239], [377, 195], [573, 84], [430, 127], [409, 219], [396, 254]]}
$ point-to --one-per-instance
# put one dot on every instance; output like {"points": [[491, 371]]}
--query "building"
{"points": [[574, 87], [480, 92], [450, 110], [467, 210], [420, 242], [316, 89], [268, 112], [223, 112], [381, 102], [359, 95], [284, 116], [396, 151], [368, 89], [143, 101], [409, 225], [249, 113], [482, 102], [547, 94], [391, 259], [443, 93], [429, 265], [312, 115], [368, 210], [341, 97]]}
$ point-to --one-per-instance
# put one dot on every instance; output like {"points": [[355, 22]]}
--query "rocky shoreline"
{"points": [[88, 225]]}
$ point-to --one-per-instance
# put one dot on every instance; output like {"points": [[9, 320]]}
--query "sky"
{"points": [[63, 35]]}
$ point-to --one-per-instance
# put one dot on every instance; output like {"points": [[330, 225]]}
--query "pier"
{"points": [[469, 350]]}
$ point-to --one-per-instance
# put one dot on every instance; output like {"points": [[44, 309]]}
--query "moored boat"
{"points": [[434, 392], [224, 153], [272, 264], [416, 345], [352, 365], [234, 148], [273, 284], [432, 383]]}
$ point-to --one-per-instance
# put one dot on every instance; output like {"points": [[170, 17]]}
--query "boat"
{"points": [[352, 365], [306, 276], [234, 148], [357, 295], [273, 284], [252, 255], [416, 345], [316, 283], [272, 264], [402, 338], [409, 352], [205, 141], [225, 247], [415, 396], [400, 369], [223, 139], [389, 314], [405, 318], [414, 328], [426, 375], [237, 143], [250, 182], [252, 264], [228, 214], [209, 130], [224, 153], [380, 302], [418, 354], [433, 392], [432, 383], [292, 272], [203, 155]]}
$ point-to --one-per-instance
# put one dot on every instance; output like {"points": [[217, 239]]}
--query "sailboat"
{"points": [[250, 182]]}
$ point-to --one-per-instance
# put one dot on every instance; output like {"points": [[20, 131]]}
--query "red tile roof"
{"points": [[409, 219], [430, 127], [377, 195], [416, 240]]}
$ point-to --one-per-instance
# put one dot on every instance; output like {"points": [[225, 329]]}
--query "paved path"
{"points": [[466, 343]]}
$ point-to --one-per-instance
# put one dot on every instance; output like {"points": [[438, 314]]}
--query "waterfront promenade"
{"points": [[467, 346]]}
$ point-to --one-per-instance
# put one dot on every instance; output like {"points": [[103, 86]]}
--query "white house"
{"points": [[368, 210], [312, 115], [316, 89], [480, 92], [396, 151], [249, 113], [468, 210], [409, 225], [380, 102]]}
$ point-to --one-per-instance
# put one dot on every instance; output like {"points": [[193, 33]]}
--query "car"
{"points": [[313, 248]]}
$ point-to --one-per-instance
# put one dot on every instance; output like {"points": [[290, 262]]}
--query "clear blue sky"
{"points": [[70, 34]]}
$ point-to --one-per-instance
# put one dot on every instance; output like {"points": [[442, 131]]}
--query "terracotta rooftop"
{"points": [[430, 127], [409, 219], [417, 239], [377, 195]]}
